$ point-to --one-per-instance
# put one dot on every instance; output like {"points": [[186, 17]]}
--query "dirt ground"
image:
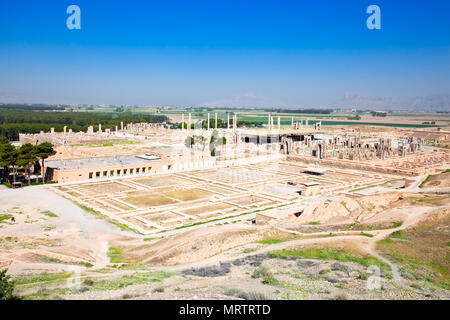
{"points": [[49, 240], [441, 180]]}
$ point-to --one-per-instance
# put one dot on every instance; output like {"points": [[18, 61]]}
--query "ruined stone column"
{"points": [[121, 126], [215, 124], [208, 121], [65, 129], [228, 120], [182, 122], [268, 122], [99, 128], [189, 122], [292, 123], [279, 123]]}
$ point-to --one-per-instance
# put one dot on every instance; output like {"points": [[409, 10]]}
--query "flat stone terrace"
{"points": [[159, 203]]}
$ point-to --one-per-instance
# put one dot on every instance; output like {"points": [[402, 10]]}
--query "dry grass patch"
{"points": [[280, 237], [161, 181], [188, 194], [424, 199], [107, 187], [149, 200], [423, 251], [248, 200], [208, 208]]}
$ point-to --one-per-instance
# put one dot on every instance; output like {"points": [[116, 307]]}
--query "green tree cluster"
{"points": [[24, 157], [223, 124]]}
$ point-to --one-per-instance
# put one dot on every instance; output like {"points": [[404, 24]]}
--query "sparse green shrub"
{"points": [[115, 255], [50, 214], [270, 280], [159, 290], [261, 271], [333, 254], [88, 282], [340, 285], [416, 286], [6, 287], [270, 241], [367, 234], [362, 276], [4, 217], [324, 271], [210, 271], [340, 267]]}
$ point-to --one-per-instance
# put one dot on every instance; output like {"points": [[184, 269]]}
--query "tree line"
{"points": [[214, 141], [32, 107], [24, 158], [15, 120]]}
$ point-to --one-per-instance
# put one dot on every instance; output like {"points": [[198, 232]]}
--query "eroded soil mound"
{"points": [[194, 245], [439, 180], [348, 209]]}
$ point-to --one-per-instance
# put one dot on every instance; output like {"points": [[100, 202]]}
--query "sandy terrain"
{"points": [[50, 234], [49, 229]]}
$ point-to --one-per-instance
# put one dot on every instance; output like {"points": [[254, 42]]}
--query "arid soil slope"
{"points": [[348, 209], [441, 180], [193, 245]]}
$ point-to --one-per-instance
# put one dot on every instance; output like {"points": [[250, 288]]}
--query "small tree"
{"points": [[189, 141], [43, 151], [7, 157], [14, 154], [27, 158], [6, 287], [213, 142]]}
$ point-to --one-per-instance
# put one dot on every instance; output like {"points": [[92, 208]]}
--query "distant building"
{"points": [[160, 161]]}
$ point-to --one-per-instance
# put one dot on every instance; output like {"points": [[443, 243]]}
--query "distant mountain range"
{"points": [[419, 103], [349, 101], [246, 100]]}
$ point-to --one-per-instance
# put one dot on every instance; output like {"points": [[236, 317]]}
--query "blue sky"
{"points": [[280, 53]]}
